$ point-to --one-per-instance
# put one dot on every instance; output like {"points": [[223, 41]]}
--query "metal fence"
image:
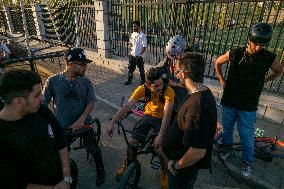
{"points": [[3, 22], [74, 24], [210, 27]]}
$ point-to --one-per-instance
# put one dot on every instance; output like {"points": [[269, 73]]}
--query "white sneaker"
{"points": [[246, 170]]}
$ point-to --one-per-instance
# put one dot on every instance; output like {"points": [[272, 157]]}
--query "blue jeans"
{"points": [[245, 125]]}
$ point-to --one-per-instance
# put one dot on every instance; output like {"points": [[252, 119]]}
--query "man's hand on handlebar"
{"points": [[77, 125], [109, 129]]}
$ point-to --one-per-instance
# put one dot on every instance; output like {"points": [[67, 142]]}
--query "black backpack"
{"points": [[148, 94]]}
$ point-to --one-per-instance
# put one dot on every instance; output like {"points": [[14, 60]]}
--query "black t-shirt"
{"points": [[29, 150], [245, 80], [198, 114]]}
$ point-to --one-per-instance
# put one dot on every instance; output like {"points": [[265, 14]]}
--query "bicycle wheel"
{"points": [[266, 148], [131, 176]]}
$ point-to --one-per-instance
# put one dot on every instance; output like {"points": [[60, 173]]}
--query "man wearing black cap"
{"points": [[242, 89], [74, 98]]}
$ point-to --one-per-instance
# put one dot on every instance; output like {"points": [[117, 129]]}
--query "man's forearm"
{"points": [[272, 76], [88, 110], [166, 120], [219, 73], [143, 50], [64, 159], [120, 114], [192, 156]]}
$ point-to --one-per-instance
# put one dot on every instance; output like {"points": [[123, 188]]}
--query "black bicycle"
{"points": [[265, 148], [131, 177], [93, 130]]}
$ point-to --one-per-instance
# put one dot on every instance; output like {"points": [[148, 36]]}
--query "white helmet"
{"points": [[175, 46]]}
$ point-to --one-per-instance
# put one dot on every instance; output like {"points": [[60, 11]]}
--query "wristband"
{"points": [[173, 165]]}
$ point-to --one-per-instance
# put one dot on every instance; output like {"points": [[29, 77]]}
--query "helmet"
{"points": [[261, 33], [175, 46]]}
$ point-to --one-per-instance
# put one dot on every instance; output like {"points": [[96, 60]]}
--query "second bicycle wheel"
{"points": [[131, 176]]}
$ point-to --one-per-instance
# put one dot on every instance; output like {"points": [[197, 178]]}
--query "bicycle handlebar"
{"points": [[37, 57]]}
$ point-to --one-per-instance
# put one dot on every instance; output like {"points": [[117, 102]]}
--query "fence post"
{"points": [[37, 13], [9, 19], [103, 28]]}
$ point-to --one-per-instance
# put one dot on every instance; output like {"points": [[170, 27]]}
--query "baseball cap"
{"points": [[77, 54]]}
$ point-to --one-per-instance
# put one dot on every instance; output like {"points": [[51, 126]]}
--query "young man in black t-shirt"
{"points": [[33, 148], [242, 89], [188, 142]]}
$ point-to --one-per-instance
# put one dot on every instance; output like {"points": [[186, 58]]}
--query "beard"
{"points": [[82, 73]]}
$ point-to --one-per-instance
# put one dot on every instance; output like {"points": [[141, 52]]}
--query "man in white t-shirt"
{"points": [[4, 54], [138, 45], [4, 51]]}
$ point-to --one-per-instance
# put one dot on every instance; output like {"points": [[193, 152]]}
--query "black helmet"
{"points": [[261, 33]]}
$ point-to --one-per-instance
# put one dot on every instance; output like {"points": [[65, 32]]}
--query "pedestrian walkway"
{"points": [[110, 89]]}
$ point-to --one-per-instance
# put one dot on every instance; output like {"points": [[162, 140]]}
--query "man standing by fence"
{"points": [[242, 89], [138, 45]]}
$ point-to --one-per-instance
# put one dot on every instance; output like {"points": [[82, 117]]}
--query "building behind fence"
{"points": [[210, 27]]}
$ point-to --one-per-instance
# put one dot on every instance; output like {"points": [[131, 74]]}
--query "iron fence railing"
{"points": [[73, 25], [210, 27], [3, 22]]}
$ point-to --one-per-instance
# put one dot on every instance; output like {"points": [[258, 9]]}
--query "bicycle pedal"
{"points": [[155, 165]]}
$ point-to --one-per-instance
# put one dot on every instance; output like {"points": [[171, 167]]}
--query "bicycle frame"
{"points": [[263, 146]]}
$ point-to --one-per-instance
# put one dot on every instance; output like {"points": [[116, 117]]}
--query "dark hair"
{"points": [[194, 63], [154, 74], [136, 22], [14, 83]]}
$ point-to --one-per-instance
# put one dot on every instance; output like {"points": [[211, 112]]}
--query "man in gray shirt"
{"points": [[74, 99]]}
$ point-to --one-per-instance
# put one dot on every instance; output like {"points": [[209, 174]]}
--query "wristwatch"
{"points": [[68, 179]]}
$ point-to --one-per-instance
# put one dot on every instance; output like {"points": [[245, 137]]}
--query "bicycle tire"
{"points": [[266, 148], [131, 177]]}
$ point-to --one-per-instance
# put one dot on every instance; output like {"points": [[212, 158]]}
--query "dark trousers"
{"points": [[133, 61], [90, 144], [183, 180]]}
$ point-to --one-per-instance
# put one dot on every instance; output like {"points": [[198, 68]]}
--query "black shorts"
{"points": [[143, 126]]}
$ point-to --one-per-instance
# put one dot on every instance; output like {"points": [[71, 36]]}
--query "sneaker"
{"points": [[121, 170], [246, 170], [164, 180], [127, 82]]}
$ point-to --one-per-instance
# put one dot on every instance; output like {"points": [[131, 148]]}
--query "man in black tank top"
{"points": [[243, 86]]}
